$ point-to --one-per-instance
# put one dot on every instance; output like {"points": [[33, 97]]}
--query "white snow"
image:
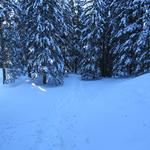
{"points": [[110, 114]]}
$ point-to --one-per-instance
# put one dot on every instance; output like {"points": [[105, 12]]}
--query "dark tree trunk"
{"points": [[110, 68], [29, 72], [75, 65], [106, 54], [44, 78], [104, 65], [109, 63], [4, 75]]}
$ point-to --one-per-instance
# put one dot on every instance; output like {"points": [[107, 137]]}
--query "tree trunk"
{"points": [[104, 65], [44, 78], [4, 75], [29, 72], [75, 65], [110, 66]]}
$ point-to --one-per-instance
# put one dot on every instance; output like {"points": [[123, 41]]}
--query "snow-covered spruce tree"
{"points": [[2, 54], [72, 21], [67, 46], [128, 28], [143, 42], [43, 26], [22, 6], [92, 40], [78, 26], [9, 42], [108, 14], [1, 32]]}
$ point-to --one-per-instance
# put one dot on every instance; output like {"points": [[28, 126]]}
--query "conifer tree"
{"points": [[9, 42], [67, 46], [108, 14], [78, 26], [72, 18], [43, 25], [129, 26], [143, 42], [92, 37]]}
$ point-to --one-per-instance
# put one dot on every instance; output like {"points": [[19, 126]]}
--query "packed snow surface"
{"points": [[109, 114]]}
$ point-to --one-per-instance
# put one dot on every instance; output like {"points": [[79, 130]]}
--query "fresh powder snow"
{"points": [[109, 114]]}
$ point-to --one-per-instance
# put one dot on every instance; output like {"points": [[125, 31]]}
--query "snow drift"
{"points": [[108, 114]]}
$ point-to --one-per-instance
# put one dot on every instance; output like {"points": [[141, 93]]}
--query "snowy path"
{"points": [[81, 115]]}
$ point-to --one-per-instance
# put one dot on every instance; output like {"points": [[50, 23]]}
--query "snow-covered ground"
{"points": [[81, 115]]}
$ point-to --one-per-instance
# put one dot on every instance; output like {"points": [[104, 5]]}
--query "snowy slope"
{"points": [[81, 115]]}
